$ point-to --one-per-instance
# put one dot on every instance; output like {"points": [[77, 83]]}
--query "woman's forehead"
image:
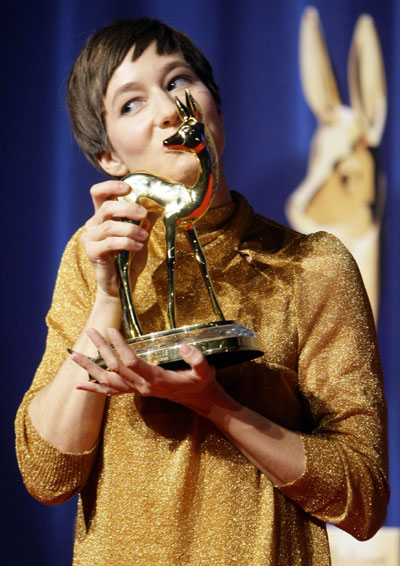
{"points": [[149, 60]]}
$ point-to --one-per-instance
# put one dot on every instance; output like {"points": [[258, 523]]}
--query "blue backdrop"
{"points": [[45, 180]]}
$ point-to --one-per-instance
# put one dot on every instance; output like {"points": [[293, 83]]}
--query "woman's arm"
{"points": [[273, 449], [67, 418]]}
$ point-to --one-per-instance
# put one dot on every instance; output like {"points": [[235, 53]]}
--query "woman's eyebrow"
{"points": [[175, 64], [132, 85], [126, 87]]}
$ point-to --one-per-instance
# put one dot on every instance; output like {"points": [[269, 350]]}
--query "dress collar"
{"points": [[220, 232]]}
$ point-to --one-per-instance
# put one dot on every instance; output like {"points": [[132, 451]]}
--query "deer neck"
{"points": [[208, 171]]}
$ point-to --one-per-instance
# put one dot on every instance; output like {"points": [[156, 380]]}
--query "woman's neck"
{"points": [[223, 194]]}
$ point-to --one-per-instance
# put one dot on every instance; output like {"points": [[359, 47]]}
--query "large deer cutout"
{"points": [[341, 193], [179, 205]]}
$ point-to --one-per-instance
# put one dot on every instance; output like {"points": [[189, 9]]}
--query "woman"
{"points": [[196, 466]]}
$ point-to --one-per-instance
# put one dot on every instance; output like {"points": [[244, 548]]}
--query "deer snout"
{"points": [[188, 137]]}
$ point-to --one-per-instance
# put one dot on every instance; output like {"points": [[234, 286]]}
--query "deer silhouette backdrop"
{"points": [[342, 192]]}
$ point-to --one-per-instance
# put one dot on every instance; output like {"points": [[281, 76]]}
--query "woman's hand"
{"points": [[106, 234], [274, 450], [194, 387]]}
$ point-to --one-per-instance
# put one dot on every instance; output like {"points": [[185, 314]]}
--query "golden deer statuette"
{"points": [[179, 205]]}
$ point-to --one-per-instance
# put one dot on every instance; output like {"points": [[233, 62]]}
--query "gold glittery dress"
{"points": [[163, 486]]}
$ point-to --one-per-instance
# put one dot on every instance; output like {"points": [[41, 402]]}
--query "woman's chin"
{"points": [[185, 176]]}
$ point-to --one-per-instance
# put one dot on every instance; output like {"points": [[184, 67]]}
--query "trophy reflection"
{"points": [[222, 342]]}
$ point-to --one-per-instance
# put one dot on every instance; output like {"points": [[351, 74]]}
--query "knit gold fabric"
{"points": [[163, 487]]}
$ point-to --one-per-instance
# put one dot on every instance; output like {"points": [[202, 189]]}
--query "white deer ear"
{"points": [[318, 80], [367, 83], [112, 164]]}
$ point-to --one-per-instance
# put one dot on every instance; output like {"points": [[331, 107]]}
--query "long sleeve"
{"points": [[50, 475], [340, 380]]}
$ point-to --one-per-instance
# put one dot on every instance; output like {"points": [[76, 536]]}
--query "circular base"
{"points": [[224, 343]]}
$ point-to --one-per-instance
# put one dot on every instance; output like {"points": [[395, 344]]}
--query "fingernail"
{"points": [[141, 211], [186, 349], [143, 234]]}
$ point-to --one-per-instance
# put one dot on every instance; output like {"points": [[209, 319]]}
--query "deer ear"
{"points": [[112, 164], [182, 110], [192, 105], [367, 83], [318, 80]]}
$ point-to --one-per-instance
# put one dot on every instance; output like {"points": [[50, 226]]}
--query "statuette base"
{"points": [[224, 343]]}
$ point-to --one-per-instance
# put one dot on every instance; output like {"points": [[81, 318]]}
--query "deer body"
{"points": [[179, 205]]}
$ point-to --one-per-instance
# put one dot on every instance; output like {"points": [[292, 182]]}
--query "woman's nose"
{"points": [[166, 112]]}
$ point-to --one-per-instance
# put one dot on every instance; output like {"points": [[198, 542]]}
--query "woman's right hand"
{"points": [[106, 234]]}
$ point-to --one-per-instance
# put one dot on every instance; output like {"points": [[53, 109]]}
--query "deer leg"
{"points": [[202, 263], [170, 234], [131, 323]]}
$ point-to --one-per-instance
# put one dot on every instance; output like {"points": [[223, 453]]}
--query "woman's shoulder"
{"points": [[271, 236], [274, 244]]}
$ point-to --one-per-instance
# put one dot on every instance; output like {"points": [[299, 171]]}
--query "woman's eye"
{"points": [[178, 82], [131, 105]]}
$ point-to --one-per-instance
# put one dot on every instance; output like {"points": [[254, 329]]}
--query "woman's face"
{"points": [[140, 113]]}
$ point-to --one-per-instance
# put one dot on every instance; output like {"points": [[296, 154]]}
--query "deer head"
{"points": [[191, 134]]}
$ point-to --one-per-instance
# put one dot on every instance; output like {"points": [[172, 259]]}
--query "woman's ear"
{"points": [[112, 164]]}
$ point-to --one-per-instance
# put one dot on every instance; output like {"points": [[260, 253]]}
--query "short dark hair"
{"points": [[103, 53]]}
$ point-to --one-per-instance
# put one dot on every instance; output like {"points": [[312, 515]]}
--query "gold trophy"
{"points": [[222, 342]]}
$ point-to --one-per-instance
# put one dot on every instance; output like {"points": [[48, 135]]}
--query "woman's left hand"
{"points": [[127, 373], [274, 450]]}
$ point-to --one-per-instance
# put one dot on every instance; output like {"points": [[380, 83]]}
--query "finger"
{"points": [[113, 236], [117, 210], [127, 356], [97, 388], [104, 348], [103, 381], [112, 245], [116, 228], [115, 375], [196, 360], [131, 361], [127, 372], [107, 190]]}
